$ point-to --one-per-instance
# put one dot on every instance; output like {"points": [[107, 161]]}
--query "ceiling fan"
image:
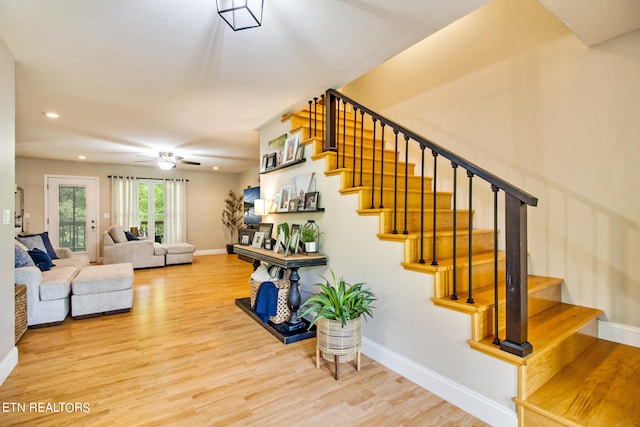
{"points": [[166, 160]]}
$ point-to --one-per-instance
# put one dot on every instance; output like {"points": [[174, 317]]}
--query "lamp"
{"points": [[166, 164], [241, 14]]}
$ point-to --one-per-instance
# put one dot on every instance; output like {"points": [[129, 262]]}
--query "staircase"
{"points": [[571, 378]]}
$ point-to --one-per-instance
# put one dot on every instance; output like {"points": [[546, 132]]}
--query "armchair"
{"points": [[116, 248]]}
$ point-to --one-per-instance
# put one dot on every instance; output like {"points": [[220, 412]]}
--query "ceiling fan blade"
{"points": [[187, 162]]}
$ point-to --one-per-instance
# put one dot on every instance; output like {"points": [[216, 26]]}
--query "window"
{"points": [[151, 212], [72, 214]]}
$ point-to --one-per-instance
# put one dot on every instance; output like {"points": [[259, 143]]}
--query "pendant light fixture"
{"points": [[241, 14]]}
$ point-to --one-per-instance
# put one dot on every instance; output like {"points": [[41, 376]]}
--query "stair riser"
{"points": [[444, 221], [414, 201], [413, 181], [482, 242]]}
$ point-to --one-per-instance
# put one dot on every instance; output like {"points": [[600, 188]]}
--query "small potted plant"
{"points": [[232, 217], [338, 310], [311, 236]]}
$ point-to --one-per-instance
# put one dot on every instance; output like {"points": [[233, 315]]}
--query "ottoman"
{"points": [[102, 289], [178, 253]]}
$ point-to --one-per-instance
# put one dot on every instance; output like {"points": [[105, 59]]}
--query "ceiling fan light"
{"points": [[166, 165]]}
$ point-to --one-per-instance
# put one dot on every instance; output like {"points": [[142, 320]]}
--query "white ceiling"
{"points": [[131, 78]]}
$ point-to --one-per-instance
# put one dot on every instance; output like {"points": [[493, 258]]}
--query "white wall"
{"points": [[8, 351], [206, 192], [511, 89]]}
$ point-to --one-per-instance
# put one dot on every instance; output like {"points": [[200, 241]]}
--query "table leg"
{"points": [[293, 301]]}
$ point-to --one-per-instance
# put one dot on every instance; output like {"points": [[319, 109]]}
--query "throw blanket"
{"points": [[266, 303]]}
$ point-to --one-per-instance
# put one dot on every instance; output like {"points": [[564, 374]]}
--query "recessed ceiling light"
{"points": [[81, 157], [51, 115], [215, 168]]}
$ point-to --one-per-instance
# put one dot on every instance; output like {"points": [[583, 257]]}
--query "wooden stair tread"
{"points": [[546, 329], [484, 297], [599, 388]]}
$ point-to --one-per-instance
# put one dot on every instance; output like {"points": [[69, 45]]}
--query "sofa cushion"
{"points": [[179, 248], [130, 236], [56, 283], [22, 257], [41, 259], [40, 241], [117, 234]]}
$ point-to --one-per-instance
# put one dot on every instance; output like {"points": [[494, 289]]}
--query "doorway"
{"points": [[71, 213]]}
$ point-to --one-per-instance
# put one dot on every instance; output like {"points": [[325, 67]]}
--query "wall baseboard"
{"points": [[7, 364], [462, 397], [210, 252], [616, 332]]}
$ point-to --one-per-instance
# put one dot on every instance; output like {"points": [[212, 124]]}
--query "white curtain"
{"points": [[124, 201], [175, 211]]}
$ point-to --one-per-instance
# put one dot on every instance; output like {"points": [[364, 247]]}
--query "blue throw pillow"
{"points": [[40, 241], [130, 236], [22, 258], [41, 259]]}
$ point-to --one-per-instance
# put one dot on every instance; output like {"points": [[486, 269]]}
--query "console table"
{"points": [[292, 262]]}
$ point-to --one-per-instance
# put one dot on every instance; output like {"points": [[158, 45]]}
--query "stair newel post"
{"points": [[422, 261], [373, 165], [315, 115], [355, 122], [406, 183], [344, 131], [496, 338], [454, 295], [515, 341], [395, 184], [470, 249], [361, 144], [382, 125], [434, 261]]}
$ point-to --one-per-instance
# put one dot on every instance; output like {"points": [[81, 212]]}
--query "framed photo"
{"points": [[264, 163], [283, 203], [271, 161], [291, 148], [293, 205], [258, 239], [294, 239], [279, 242], [311, 201], [266, 228], [300, 153], [245, 236]]}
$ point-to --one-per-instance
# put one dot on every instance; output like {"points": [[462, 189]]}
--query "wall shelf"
{"points": [[283, 166]]}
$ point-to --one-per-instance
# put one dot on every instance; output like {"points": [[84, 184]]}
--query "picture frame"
{"points": [[300, 153], [266, 228], [294, 240], [279, 242], [265, 162], [293, 205], [311, 201], [283, 201], [245, 236], [271, 161], [291, 148], [258, 239]]}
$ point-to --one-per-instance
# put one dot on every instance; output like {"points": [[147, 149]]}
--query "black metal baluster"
{"points": [[382, 125], [470, 297], [454, 295], [406, 183], [434, 261], [421, 261], [373, 163], [311, 132], [315, 115], [361, 144], [496, 338], [395, 186], [344, 132], [324, 128], [355, 126]]}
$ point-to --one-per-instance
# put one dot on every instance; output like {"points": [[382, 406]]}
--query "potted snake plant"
{"points": [[337, 312]]}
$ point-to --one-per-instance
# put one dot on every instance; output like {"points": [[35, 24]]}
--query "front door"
{"points": [[72, 213]]}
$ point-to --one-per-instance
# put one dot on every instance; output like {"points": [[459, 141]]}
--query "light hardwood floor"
{"points": [[186, 355]]}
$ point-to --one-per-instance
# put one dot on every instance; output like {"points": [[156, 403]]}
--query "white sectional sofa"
{"points": [[48, 292]]}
